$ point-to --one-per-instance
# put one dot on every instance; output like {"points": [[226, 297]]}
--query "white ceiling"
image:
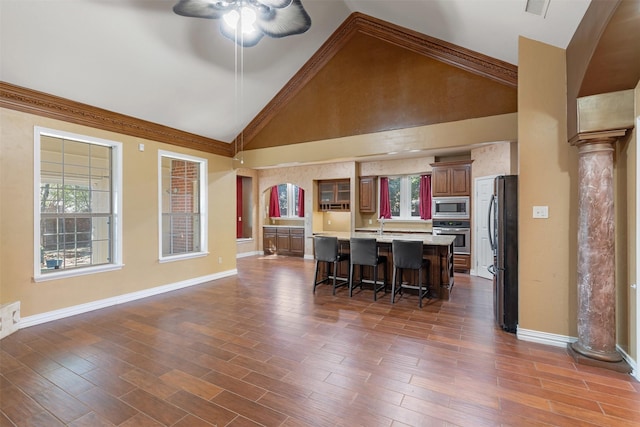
{"points": [[136, 57]]}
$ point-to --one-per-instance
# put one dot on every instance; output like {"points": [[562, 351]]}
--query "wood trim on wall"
{"points": [[440, 50], [42, 104]]}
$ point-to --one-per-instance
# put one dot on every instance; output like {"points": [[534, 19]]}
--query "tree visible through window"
{"points": [[404, 196], [288, 200], [77, 213]]}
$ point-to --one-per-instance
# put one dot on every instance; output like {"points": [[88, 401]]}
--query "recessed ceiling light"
{"points": [[537, 7]]}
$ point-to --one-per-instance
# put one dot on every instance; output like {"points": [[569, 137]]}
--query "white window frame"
{"points": [[405, 199], [204, 207], [116, 195], [292, 190]]}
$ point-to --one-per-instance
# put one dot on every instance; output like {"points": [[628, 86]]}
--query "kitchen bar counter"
{"points": [[393, 230], [437, 249]]}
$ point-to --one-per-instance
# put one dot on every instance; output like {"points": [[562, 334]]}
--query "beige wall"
{"points": [[141, 269], [626, 243], [494, 159], [548, 176]]}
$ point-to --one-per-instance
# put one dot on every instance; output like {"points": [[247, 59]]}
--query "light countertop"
{"points": [[388, 237], [392, 230]]}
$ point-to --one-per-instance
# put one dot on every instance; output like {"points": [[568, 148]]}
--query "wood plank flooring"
{"points": [[261, 349]]}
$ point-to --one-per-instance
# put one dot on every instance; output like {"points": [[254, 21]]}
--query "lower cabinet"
{"points": [[462, 263], [296, 241], [283, 241], [269, 240]]}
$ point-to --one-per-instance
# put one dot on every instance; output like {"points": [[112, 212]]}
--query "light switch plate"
{"points": [[541, 211]]}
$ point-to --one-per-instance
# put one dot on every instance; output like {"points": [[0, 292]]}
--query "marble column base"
{"points": [[619, 366]]}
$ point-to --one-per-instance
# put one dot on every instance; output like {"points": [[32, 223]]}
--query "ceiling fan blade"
{"points": [[278, 4], [202, 8], [286, 21]]}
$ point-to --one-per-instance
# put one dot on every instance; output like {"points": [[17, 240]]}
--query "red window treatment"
{"points": [[274, 205], [300, 202], [238, 207], [425, 197], [385, 204]]}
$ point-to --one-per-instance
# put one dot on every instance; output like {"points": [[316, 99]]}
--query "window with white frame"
{"points": [[404, 196], [288, 198], [77, 204], [183, 205]]}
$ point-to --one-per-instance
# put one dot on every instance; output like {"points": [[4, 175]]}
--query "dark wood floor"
{"points": [[260, 349]]}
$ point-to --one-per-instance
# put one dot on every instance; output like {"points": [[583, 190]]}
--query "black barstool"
{"points": [[364, 251], [326, 250], [407, 254]]}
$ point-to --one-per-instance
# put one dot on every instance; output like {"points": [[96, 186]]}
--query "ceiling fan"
{"points": [[247, 21]]}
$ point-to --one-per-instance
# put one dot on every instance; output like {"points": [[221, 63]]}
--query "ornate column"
{"points": [[602, 119], [596, 245]]}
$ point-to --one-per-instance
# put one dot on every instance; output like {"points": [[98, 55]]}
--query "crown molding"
{"points": [[457, 56], [41, 104]]}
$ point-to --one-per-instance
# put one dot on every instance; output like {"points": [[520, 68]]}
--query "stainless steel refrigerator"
{"points": [[503, 235]]}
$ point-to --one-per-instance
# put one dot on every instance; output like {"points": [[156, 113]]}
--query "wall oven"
{"points": [[450, 207], [461, 230]]}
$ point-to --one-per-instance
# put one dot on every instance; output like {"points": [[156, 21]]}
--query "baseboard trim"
{"points": [[544, 337], [632, 363], [564, 340], [248, 254], [38, 319]]}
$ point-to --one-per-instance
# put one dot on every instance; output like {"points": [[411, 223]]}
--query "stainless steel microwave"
{"points": [[456, 207]]}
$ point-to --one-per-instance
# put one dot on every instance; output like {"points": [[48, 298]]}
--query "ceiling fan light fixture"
{"points": [[273, 18], [245, 19]]}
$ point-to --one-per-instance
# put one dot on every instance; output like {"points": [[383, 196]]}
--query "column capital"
{"points": [[601, 137]]}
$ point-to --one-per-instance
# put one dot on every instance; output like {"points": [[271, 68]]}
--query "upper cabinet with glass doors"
{"points": [[334, 195]]}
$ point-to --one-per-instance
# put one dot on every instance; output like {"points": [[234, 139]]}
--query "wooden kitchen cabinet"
{"points": [[368, 194], [462, 263], [451, 178], [284, 236], [283, 241], [296, 241], [269, 240], [334, 195]]}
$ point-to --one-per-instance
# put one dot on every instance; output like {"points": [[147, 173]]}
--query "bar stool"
{"points": [[364, 251], [407, 254], [326, 250]]}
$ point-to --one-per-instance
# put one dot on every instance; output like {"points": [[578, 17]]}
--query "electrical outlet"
{"points": [[370, 221], [219, 260], [329, 222], [541, 211], [9, 318]]}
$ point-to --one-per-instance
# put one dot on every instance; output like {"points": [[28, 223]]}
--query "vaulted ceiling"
{"points": [[364, 66]]}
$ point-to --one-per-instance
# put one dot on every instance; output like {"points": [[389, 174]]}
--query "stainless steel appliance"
{"points": [[450, 207], [503, 235], [458, 228]]}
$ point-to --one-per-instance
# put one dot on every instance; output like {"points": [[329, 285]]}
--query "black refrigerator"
{"points": [[503, 235]]}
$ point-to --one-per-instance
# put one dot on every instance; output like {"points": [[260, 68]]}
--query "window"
{"points": [[77, 204], [183, 219], [290, 201], [404, 196]]}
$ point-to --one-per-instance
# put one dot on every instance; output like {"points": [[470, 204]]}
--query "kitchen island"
{"points": [[437, 249]]}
